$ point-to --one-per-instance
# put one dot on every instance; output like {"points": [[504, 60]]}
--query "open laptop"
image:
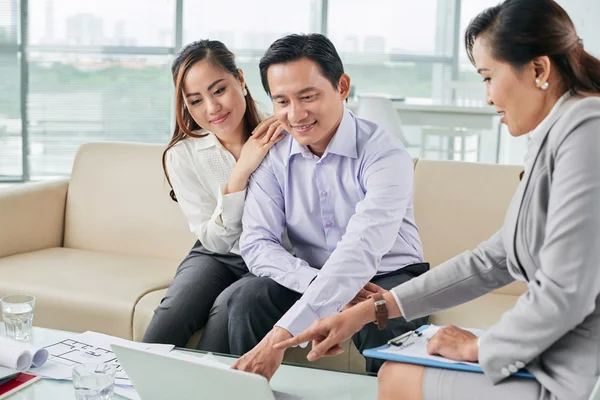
{"points": [[160, 377]]}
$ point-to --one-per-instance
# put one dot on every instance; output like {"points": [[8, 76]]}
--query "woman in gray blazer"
{"points": [[539, 77]]}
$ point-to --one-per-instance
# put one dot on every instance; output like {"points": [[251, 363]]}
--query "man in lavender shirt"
{"points": [[341, 188]]}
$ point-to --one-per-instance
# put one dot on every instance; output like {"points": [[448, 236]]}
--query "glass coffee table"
{"points": [[299, 380]]}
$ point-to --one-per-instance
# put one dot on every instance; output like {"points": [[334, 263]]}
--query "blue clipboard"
{"points": [[377, 353]]}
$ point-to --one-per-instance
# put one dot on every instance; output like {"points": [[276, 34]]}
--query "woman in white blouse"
{"points": [[217, 143]]}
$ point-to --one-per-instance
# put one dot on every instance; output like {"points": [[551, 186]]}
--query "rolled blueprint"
{"points": [[39, 356], [21, 356], [14, 357]]}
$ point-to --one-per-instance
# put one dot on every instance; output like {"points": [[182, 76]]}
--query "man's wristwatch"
{"points": [[381, 311]]}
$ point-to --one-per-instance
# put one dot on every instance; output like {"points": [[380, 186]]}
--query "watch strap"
{"points": [[381, 311]]}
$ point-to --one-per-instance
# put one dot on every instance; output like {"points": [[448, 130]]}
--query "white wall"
{"points": [[585, 14]]}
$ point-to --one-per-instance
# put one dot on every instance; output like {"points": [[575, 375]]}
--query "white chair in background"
{"points": [[456, 143], [379, 109], [468, 94]]}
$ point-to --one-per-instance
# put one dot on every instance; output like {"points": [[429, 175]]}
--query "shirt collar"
{"points": [[206, 142], [343, 143], [536, 136], [542, 127]]}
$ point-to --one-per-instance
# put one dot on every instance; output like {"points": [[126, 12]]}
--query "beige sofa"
{"points": [[98, 250]]}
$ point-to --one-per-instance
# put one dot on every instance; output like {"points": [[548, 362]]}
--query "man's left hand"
{"points": [[454, 343], [263, 359]]}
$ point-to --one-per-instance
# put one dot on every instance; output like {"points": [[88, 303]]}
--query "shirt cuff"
{"points": [[301, 279], [297, 319], [396, 298], [230, 206]]}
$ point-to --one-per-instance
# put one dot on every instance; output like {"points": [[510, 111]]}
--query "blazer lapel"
{"points": [[513, 214]]}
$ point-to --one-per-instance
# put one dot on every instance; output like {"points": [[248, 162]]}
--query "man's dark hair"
{"points": [[314, 46]]}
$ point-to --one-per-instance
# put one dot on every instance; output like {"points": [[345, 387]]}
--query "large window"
{"points": [[469, 10], [10, 93], [78, 98], [469, 89], [97, 71], [385, 26], [392, 46], [101, 23], [79, 71], [248, 28]]}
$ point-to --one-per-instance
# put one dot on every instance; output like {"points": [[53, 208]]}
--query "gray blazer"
{"points": [[550, 240]]}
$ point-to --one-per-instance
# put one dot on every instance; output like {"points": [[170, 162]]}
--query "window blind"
{"points": [[10, 110]]}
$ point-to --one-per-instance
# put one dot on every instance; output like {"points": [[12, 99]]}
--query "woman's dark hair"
{"points": [[314, 46], [517, 31], [216, 53]]}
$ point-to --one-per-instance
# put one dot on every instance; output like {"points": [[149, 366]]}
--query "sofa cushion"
{"points": [[459, 205], [27, 226], [78, 290], [118, 202], [480, 313]]}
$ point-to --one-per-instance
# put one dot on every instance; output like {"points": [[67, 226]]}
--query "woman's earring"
{"points": [[544, 86], [245, 91]]}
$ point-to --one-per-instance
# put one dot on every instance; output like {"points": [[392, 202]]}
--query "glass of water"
{"points": [[94, 381], [17, 313]]}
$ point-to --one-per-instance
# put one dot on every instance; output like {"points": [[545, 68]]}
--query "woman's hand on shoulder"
{"points": [[268, 131], [265, 136]]}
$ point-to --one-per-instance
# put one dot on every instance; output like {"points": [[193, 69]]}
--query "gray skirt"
{"points": [[443, 384]]}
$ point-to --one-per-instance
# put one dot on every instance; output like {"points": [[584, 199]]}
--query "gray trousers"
{"points": [[257, 305], [443, 384], [197, 298]]}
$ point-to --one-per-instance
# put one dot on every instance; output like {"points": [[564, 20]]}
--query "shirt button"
{"points": [[323, 193], [505, 372], [520, 364], [328, 224], [512, 368]]}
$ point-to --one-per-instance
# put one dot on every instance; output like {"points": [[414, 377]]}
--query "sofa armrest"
{"points": [[32, 216]]}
